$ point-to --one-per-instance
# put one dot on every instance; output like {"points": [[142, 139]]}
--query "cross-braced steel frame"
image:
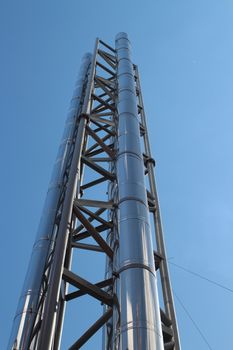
{"points": [[105, 143]]}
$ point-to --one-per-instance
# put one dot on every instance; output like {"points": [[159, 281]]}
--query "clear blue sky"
{"points": [[184, 51]]}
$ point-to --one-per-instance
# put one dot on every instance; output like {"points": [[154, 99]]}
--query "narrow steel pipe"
{"points": [[32, 291], [139, 325]]}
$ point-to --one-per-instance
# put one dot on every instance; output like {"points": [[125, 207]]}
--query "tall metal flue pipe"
{"points": [[106, 134], [140, 325], [35, 284]]}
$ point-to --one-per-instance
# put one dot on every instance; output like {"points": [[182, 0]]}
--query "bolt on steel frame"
{"points": [[105, 133]]}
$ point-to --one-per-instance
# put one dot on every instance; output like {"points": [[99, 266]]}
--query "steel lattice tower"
{"points": [[106, 133]]}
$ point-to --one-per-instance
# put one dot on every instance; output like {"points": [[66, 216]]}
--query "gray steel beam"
{"points": [[93, 183], [85, 234], [92, 330], [101, 120], [164, 271], [92, 247], [80, 293], [97, 168], [95, 203], [107, 46], [105, 68], [87, 287]]}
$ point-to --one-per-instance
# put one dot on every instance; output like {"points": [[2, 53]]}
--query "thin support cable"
{"points": [[193, 322], [202, 277]]}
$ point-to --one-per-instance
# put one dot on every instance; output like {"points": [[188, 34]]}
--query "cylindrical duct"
{"points": [[27, 310], [48, 327], [139, 325]]}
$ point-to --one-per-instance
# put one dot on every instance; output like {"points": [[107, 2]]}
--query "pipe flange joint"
{"points": [[150, 160], [85, 116]]}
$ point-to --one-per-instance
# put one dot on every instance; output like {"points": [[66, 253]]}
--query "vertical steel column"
{"points": [[32, 291], [140, 324], [164, 271]]}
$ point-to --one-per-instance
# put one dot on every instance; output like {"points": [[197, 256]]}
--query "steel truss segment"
{"points": [[85, 234], [104, 128], [109, 84], [98, 140], [87, 161], [108, 58], [79, 236], [87, 287], [104, 102], [100, 228], [80, 227], [94, 216], [80, 293], [103, 86], [103, 94], [62, 254], [94, 233], [89, 152], [101, 116]]}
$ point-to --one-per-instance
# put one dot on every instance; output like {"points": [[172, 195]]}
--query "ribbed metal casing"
{"points": [[140, 324], [32, 289]]}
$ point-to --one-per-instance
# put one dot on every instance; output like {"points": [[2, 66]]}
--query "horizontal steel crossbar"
{"points": [[80, 293], [87, 287]]}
